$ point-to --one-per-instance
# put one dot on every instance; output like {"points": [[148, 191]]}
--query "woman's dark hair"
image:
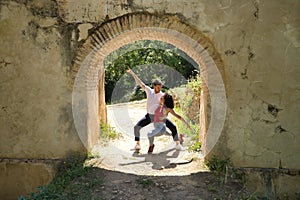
{"points": [[169, 102]]}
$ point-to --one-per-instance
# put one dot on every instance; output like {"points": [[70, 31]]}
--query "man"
{"points": [[153, 100]]}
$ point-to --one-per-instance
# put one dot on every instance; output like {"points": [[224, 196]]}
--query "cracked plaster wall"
{"points": [[36, 115], [35, 101], [260, 46], [259, 43], [258, 40]]}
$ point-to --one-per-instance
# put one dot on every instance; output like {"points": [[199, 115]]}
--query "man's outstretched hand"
{"points": [[129, 71]]}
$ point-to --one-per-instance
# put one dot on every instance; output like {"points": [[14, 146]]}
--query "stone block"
{"points": [[83, 31], [20, 178], [273, 183]]}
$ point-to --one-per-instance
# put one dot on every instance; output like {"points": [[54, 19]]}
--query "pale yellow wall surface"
{"points": [[258, 41]]}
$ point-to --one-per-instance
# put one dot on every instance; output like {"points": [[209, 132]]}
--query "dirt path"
{"points": [[198, 186], [131, 176]]}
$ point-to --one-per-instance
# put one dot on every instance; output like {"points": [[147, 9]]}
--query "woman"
{"points": [[160, 116]]}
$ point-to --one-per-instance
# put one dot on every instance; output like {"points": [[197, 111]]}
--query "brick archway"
{"points": [[89, 96]]}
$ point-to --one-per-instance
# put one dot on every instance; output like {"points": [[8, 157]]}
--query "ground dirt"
{"points": [[165, 174]]}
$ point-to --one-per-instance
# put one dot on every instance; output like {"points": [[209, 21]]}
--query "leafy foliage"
{"points": [[187, 98], [144, 52], [219, 166], [196, 146], [191, 99]]}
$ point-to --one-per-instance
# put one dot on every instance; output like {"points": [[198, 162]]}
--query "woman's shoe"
{"points": [[151, 147], [181, 138]]}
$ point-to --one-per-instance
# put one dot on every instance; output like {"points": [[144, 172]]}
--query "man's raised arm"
{"points": [[137, 80]]}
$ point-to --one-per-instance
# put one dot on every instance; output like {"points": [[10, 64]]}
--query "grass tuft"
{"points": [[65, 184], [108, 132]]}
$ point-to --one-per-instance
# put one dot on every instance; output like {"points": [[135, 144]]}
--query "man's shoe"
{"points": [[178, 147], [137, 147]]}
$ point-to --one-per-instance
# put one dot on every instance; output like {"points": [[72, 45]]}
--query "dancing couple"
{"points": [[159, 105]]}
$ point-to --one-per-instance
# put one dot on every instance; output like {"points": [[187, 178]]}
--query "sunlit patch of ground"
{"points": [[118, 155]]}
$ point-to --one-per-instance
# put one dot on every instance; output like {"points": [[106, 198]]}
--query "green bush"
{"points": [[297, 195], [190, 99], [108, 132], [196, 146], [187, 102], [219, 167]]}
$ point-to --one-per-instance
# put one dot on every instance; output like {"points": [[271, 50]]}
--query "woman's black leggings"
{"points": [[149, 119]]}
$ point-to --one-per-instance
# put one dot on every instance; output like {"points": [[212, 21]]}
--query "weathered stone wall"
{"points": [[258, 43], [35, 102], [257, 40]]}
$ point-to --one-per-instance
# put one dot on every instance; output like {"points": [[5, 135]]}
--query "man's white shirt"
{"points": [[153, 99]]}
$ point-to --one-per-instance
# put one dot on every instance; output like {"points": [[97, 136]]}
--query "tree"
{"points": [[145, 52]]}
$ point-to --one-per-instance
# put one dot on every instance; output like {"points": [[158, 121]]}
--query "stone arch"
{"points": [[88, 94]]}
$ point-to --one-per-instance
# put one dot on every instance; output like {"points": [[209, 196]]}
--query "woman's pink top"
{"points": [[159, 115]]}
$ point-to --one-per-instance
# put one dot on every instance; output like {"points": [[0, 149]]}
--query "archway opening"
{"points": [[89, 95], [127, 105]]}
